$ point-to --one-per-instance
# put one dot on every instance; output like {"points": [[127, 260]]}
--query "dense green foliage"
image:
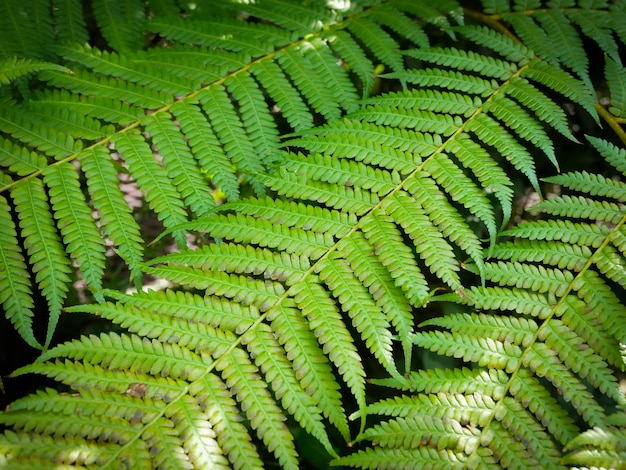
{"points": [[349, 277]]}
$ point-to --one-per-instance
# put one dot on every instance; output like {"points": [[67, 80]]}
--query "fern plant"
{"points": [[303, 299], [546, 332], [209, 106]]}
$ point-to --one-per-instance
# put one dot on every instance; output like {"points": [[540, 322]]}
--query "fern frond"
{"points": [[539, 331], [581, 207], [19, 35], [70, 23], [556, 31], [288, 307], [114, 214], [12, 68], [114, 65], [602, 446], [378, 40], [152, 180], [122, 26], [180, 163], [82, 239], [565, 41], [16, 295], [20, 160], [107, 109], [37, 135], [594, 185], [45, 251], [557, 79], [616, 81], [366, 316]]}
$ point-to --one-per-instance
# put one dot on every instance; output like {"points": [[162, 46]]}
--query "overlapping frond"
{"points": [[547, 330], [278, 310], [190, 124], [557, 31]]}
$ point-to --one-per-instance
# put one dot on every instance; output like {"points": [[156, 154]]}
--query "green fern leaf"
{"points": [[332, 334], [594, 185], [544, 108], [581, 207], [525, 126], [107, 109], [386, 239], [391, 17], [380, 283], [389, 458], [82, 239], [556, 329], [387, 147], [467, 61], [450, 381], [208, 151], [378, 40], [366, 317], [19, 35], [555, 78], [551, 30], [503, 45], [491, 176], [488, 131], [596, 25], [153, 180], [114, 214], [296, 304], [311, 364], [68, 18], [261, 294], [566, 42], [240, 374], [564, 230], [229, 130], [119, 25], [297, 215], [561, 255], [428, 241], [180, 163], [319, 97], [57, 118], [616, 80], [461, 189], [12, 68], [98, 86], [16, 295], [114, 65], [45, 251], [614, 155], [234, 258], [37, 134], [450, 80], [256, 118], [600, 446], [288, 99], [20, 160]]}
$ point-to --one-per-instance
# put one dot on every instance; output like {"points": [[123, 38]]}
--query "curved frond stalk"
{"points": [[549, 324]]}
